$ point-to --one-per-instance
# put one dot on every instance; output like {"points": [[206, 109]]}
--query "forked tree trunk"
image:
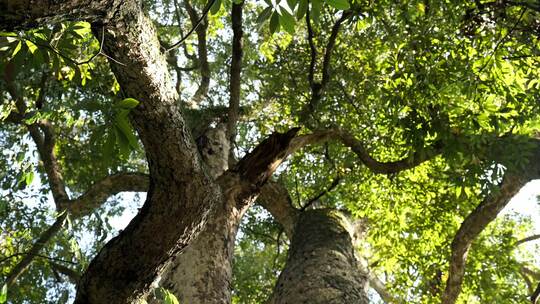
{"points": [[203, 272], [322, 266]]}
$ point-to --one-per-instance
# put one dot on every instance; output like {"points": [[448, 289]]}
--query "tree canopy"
{"points": [[415, 121]]}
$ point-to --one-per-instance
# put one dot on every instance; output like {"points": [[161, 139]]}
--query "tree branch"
{"points": [[201, 25], [72, 275], [235, 71], [181, 194], [535, 295], [43, 135], [358, 148], [257, 166], [36, 248], [527, 280], [330, 47], [528, 239], [318, 88], [534, 274], [195, 25], [334, 184], [379, 287], [471, 227], [415, 159], [275, 199], [313, 50], [103, 189], [80, 207]]}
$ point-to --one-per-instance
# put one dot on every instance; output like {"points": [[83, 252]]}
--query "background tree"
{"points": [[417, 119]]}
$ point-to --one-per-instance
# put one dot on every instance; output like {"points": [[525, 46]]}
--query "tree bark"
{"points": [[322, 266], [203, 272]]}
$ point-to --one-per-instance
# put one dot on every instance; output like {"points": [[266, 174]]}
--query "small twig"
{"points": [[204, 14], [528, 239], [313, 49], [502, 40], [72, 61], [334, 184]]}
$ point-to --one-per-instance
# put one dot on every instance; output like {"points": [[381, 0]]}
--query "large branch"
{"points": [[318, 87], [471, 227], [43, 135], [275, 199], [535, 295], [321, 136], [111, 185], [415, 159], [28, 13], [255, 168], [528, 239], [202, 53], [312, 50], [236, 69], [72, 275], [380, 288]]}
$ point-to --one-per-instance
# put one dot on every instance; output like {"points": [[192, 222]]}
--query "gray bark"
{"points": [[203, 272], [322, 266]]}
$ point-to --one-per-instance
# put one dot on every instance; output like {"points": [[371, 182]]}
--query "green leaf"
{"points": [[274, 22], [123, 125], [17, 49], [167, 296], [215, 7], [7, 34], [127, 103], [108, 147], [81, 29], [264, 15], [29, 177], [339, 4], [292, 4], [3, 294], [302, 9], [123, 142], [315, 11], [287, 21], [31, 46]]}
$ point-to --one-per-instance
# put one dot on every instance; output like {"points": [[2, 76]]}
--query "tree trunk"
{"points": [[322, 266], [203, 272]]}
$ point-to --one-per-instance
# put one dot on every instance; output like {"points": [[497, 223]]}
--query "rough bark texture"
{"points": [[28, 13], [180, 194], [275, 199], [203, 272], [321, 267]]}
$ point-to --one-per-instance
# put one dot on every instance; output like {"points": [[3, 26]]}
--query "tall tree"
{"points": [[407, 127]]}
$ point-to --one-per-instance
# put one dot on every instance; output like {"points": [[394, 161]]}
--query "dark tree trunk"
{"points": [[322, 266]]}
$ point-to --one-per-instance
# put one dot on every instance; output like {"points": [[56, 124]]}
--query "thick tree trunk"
{"points": [[203, 272], [322, 266]]}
